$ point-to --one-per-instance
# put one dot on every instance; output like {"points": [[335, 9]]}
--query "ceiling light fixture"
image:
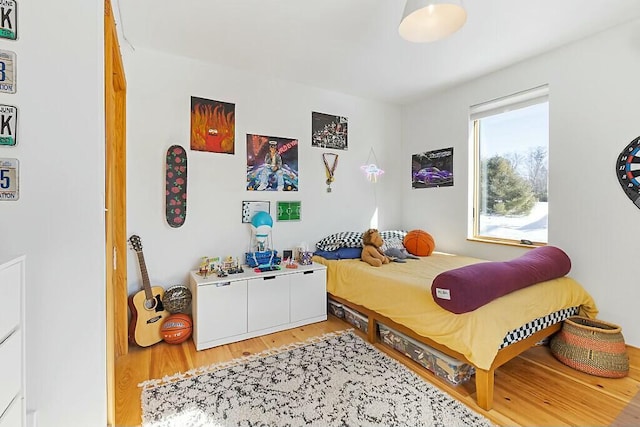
{"points": [[429, 20]]}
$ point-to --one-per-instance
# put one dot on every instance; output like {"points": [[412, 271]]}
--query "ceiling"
{"points": [[353, 46]]}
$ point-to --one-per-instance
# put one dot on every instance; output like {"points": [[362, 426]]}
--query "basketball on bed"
{"points": [[176, 328], [419, 243]]}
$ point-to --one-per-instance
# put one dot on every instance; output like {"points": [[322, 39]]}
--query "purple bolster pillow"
{"points": [[466, 288]]}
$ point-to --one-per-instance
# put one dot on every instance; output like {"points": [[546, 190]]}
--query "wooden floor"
{"points": [[533, 389]]}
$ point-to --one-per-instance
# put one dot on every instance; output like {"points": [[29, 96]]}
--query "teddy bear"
{"points": [[371, 252]]}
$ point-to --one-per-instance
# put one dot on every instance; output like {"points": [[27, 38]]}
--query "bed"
{"points": [[398, 295]]}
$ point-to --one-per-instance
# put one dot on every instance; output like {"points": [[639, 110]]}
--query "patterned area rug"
{"points": [[334, 380]]}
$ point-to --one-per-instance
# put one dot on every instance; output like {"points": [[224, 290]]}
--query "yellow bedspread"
{"points": [[402, 292]]}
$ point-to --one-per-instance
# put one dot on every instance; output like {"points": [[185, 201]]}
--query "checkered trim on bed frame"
{"points": [[353, 239], [538, 324]]}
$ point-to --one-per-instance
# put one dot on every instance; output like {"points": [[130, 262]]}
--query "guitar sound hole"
{"points": [[149, 304]]}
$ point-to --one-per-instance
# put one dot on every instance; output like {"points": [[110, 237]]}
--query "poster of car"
{"points": [[272, 163], [432, 169], [329, 131]]}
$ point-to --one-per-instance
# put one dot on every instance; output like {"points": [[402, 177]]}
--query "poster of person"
{"points": [[432, 169], [329, 131], [272, 163], [213, 126]]}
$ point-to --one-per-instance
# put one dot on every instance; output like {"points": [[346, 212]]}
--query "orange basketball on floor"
{"points": [[419, 243], [176, 328]]}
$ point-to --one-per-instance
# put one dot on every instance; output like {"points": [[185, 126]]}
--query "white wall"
{"points": [[593, 116], [160, 87], [59, 220]]}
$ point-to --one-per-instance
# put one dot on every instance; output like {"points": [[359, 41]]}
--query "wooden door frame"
{"points": [[115, 91]]}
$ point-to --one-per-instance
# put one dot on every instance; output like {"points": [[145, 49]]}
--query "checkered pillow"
{"points": [[353, 239], [344, 239], [390, 234]]}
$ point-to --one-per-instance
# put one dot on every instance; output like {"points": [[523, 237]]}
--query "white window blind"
{"points": [[509, 103]]}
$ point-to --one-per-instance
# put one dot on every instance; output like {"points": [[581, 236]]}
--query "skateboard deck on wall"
{"points": [[176, 186]]}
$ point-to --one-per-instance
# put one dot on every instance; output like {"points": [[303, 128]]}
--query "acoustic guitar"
{"points": [[147, 310]]}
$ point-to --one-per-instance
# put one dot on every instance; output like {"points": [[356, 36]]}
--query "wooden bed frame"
{"points": [[484, 378]]}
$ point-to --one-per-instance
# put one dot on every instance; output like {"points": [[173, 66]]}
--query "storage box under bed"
{"points": [[335, 308], [444, 366], [357, 319]]}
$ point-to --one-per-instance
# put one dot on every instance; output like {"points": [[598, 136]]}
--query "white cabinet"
{"points": [[249, 304], [12, 375], [268, 302], [221, 310], [308, 295]]}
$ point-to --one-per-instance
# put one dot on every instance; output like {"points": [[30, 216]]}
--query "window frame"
{"points": [[518, 100]]}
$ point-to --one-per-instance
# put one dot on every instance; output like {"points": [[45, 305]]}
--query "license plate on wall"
{"points": [[8, 20], [9, 179], [8, 124], [7, 71]]}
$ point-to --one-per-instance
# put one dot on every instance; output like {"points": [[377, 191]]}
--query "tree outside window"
{"points": [[511, 146]]}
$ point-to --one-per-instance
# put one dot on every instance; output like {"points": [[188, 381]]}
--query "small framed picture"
{"points": [[289, 211], [249, 209]]}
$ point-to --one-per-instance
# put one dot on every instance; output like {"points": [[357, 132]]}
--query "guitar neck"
{"points": [[145, 276]]}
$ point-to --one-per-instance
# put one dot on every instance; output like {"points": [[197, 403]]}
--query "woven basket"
{"points": [[591, 346]]}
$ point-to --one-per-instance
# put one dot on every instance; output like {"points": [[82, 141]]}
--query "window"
{"points": [[511, 168]]}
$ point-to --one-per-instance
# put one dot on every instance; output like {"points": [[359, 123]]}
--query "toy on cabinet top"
{"points": [[261, 225], [260, 253], [213, 265], [371, 252], [287, 259], [232, 265], [207, 266]]}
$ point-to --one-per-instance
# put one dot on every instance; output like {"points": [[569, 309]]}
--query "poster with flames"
{"points": [[272, 163], [213, 126]]}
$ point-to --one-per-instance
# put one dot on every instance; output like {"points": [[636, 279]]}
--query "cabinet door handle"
{"points": [[269, 278], [308, 272], [221, 284]]}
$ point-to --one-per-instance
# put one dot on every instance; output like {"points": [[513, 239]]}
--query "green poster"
{"points": [[289, 211]]}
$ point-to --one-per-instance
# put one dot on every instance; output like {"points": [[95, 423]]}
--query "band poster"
{"points": [[329, 131]]}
